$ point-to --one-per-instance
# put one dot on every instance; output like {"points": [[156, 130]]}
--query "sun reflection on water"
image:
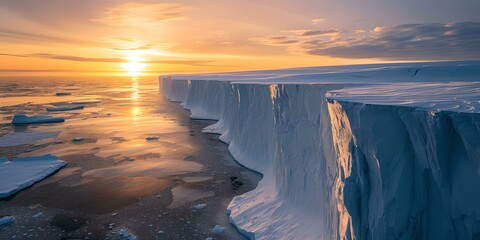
{"points": [[136, 110]]}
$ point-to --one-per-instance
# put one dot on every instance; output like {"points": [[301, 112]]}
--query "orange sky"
{"points": [[92, 37]]}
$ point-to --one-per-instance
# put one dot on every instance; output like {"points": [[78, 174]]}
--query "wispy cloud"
{"points": [[22, 36], [433, 41], [108, 60], [316, 21], [274, 41], [332, 32], [138, 14]]}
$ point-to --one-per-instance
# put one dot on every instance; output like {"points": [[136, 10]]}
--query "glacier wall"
{"points": [[337, 169]]}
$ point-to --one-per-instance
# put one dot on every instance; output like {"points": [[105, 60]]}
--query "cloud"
{"points": [[316, 21], [430, 41], [21, 36], [331, 32], [139, 14], [275, 41], [108, 60], [436, 41]]}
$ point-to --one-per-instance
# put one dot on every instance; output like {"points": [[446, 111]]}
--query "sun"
{"points": [[134, 66]]}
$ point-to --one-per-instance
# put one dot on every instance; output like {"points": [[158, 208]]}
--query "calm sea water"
{"points": [[116, 178]]}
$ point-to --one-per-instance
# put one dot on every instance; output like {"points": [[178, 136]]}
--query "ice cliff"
{"points": [[354, 152]]}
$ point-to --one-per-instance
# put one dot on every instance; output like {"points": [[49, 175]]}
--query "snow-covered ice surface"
{"points": [[23, 119], [385, 151], [21, 173]]}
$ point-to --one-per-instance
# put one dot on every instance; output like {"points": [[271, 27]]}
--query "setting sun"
{"points": [[134, 66]]}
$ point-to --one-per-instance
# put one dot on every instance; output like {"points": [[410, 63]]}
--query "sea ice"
{"points": [[200, 206], [65, 108], [123, 234], [218, 229], [21, 173], [23, 119], [6, 220]]}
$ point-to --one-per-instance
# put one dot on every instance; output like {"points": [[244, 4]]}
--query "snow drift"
{"points": [[355, 152]]}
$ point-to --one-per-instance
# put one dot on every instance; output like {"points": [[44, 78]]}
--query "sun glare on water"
{"points": [[134, 66]]}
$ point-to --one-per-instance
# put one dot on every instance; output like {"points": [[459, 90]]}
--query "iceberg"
{"points": [[383, 151], [65, 108], [21, 173], [23, 119]]}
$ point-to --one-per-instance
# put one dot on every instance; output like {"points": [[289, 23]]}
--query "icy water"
{"points": [[115, 178]]}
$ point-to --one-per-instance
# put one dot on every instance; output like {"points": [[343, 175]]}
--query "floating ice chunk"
{"points": [[218, 229], [62, 94], [39, 214], [200, 206], [24, 172], [65, 108], [14, 139], [152, 138], [23, 119], [6, 220], [123, 234], [77, 139]]}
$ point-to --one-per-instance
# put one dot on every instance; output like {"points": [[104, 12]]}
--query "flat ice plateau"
{"points": [[385, 151], [21, 173]]}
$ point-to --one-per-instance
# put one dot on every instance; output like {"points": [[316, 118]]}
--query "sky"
{"points": [[75, 37]]}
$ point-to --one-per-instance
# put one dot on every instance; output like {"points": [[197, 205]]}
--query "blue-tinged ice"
{"points": [[383, 151], [23, 119], [21, 173], [65, 108], [6, 220]]}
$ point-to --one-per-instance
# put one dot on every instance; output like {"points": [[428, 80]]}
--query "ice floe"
{"points": [[6, 220], [21, 173], [65, 108], [218, 229], [23, 119]]}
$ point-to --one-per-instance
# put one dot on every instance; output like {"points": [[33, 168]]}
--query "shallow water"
{"points": [[114, 169]]}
